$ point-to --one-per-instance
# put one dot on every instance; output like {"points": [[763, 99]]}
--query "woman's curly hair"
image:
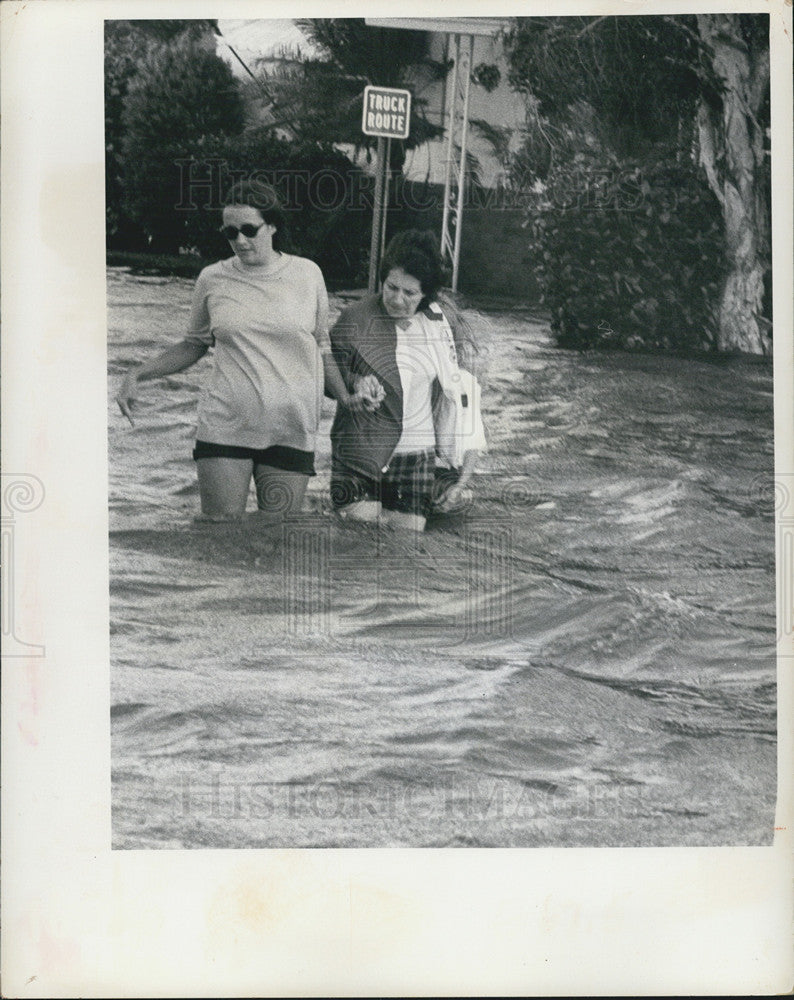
{"points": [[416, 252]]}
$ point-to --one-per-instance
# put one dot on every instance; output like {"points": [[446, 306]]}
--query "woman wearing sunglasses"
{"points": [[265, 313]]}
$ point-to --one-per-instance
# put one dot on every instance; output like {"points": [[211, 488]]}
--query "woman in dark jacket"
{"points": [[396, 349]]}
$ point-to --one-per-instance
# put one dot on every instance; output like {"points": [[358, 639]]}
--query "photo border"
{"points": [[80, 919]]}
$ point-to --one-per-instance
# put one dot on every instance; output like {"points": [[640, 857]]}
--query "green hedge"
{"points": [[175, 191], [172, 265], [628, 257]]}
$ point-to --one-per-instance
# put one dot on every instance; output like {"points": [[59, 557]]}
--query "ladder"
{"points": [[457, 122]]}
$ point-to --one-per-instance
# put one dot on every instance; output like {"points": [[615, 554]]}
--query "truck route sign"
{"points": [[387, 112]]}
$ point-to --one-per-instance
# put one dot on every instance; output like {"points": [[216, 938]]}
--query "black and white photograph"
{"points": [[441, 432], [398, 498]]}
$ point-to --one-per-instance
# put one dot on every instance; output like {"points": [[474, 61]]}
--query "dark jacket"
{"points": [[364, 342]]}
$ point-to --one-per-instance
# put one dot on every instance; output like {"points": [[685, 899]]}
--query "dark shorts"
{"points": [[278, 456], [406, 487]]}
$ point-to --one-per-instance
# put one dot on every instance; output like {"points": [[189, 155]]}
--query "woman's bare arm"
{"points": [[169, 362], [336, 388]]}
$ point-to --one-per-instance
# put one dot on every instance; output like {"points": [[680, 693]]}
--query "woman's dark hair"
{"points": [[416, 252], [265, 200]]}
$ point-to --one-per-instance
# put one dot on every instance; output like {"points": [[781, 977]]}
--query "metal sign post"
{"points": [[386, 114], [377, 212], [385, 206], [460, 32]]}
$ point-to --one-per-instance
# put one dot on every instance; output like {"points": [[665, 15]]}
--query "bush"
{"points": [[327, 212], [182, 96], [630, 256], [185, 145]]}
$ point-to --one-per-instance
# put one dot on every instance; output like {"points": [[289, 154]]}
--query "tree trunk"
{"points": [[732, 154]]}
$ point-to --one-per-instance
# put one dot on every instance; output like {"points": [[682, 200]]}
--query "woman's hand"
{"points": [[127, 395], [453, 498], [369, 391], [172, 360]]}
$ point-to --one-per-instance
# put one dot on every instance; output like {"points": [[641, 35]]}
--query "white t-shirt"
{"points": [[417, 369], [269, 328]]}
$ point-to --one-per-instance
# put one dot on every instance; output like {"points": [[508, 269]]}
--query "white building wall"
{"points": [[280, 39], [502, 107]]}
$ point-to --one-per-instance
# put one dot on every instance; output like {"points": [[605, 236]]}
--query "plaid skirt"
{"points": [[407, 486]]}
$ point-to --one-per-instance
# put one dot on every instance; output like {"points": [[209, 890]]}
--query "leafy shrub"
{"points": [[327, 212], [184, 143], [182, 96], [629, 256]]}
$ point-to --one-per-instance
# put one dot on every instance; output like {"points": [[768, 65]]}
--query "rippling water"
{"points": [[585, 657]]}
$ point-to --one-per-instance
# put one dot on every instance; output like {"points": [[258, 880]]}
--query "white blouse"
{"points": [[417, 367]]}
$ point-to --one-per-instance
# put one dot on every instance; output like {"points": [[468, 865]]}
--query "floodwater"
{"points": [[584, 657]]}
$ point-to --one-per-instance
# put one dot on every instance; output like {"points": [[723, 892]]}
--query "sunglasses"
{"points": [[248, 229]]}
